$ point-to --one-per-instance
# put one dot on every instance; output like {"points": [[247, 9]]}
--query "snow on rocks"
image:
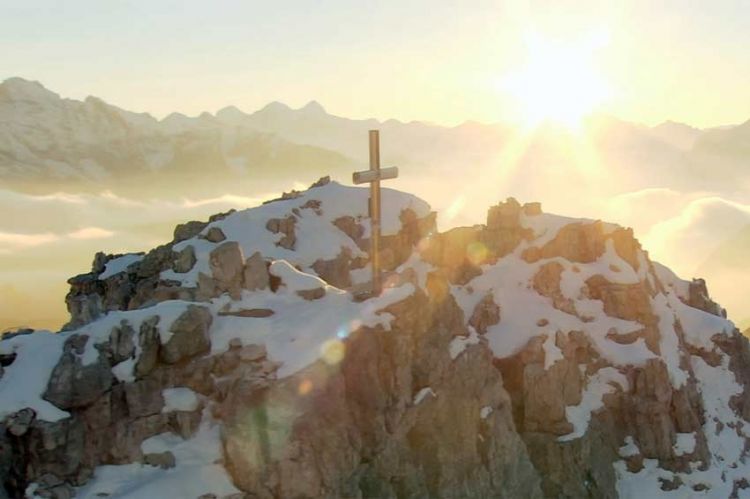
{"points": [[315, 234], [179, 399], [605, 381], [119, 264], [571, 313], [196, 470]]}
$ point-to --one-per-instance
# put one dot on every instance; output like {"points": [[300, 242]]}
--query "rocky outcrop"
{"points": [[521, 358]]}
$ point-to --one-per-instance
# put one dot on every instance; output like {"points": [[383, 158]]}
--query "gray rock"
{"points": [[73, 384], [185, 260], [189, 335], [255, 273], [144, 398], [215, 235], [227, 266], [188, 230], [164, 460], [150, 343], [19, 423], [122, 342]]}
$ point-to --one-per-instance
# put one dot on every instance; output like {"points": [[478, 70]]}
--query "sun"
{"points": [[558, 83]]}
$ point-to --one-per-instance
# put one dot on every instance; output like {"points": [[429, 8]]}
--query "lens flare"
{"points": [[476, 252], [305, 387], [333, 351]]}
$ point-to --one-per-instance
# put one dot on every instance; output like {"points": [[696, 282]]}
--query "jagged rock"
{"points": [[18, 424], [335, 272], [255, 273], [185, 260], [155, 261], [148, 340], [284, 226], [121, 342], [188, 230], [486, 314], [73, 384], [189, 335], [143, 398], [215, 235], [84, 300], [227, 268], [546, 282], [699, 298], [164, 460], [99, 263]]}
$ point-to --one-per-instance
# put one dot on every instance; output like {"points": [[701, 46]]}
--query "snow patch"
{"points": [[179, 399]]}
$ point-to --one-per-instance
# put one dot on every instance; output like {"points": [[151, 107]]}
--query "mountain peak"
{"points": [[313, 107], [275, 107], [230, 113], [17, 88]]}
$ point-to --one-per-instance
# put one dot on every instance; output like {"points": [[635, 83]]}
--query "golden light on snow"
{"points": [[558, 82], [333, 351]]}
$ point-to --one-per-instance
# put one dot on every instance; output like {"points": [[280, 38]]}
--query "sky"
{"points": [[431, 60]]}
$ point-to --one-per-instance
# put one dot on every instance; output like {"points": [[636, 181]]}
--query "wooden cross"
{"points": [[374, 175]]}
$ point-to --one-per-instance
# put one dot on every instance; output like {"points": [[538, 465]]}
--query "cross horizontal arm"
{"points": [[374, 175]]}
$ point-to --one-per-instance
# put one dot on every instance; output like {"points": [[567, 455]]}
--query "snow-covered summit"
{"points": [[530, 337]]}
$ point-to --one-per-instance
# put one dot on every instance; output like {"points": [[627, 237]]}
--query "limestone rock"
{"points": [[284, 226], [188, 230], [189, 335], [149, 342], [19, 423], [486, 314], [73, 384], [121, 342], [255, 273], [185, 260], [215, 235], [227, 267]]}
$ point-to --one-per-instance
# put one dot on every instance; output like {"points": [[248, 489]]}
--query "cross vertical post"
{"points": [[375, 210], [373, 176]]}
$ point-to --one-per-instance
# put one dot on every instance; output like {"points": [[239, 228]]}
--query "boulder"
{"points": [[164, 460], [185, 260], [227, 267], [189, 335], [18, 424], [73, 384], [215, 235], [121, 342], [188, 230], [255, 273], [149, 341]]}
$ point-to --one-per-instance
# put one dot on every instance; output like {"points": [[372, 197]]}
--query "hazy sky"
{"points": [[430, 60]]}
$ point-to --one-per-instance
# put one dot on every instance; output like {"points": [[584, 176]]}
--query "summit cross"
{"points": [[373, 176]]}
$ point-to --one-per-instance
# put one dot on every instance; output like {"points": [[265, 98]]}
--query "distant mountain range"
{"points": [[46, 139]]}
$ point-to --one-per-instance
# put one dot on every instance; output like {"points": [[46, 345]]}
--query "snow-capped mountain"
{"points": [[44, 136], [531, 356]]}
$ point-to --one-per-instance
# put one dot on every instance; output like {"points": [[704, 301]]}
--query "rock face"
{"points": [[528, 357]]}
